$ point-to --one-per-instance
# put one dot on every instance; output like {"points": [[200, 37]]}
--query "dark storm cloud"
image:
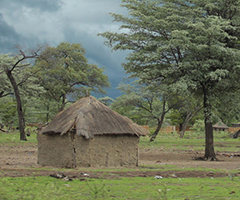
{"points": [[33, 22], [100, 55], [8, 36], [43, 5]]}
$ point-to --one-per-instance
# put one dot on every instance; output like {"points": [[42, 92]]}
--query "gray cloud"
{"points": [[32, 22], [100, 55], [43, 5], [8, 36]]}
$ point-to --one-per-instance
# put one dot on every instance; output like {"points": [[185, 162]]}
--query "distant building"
{"points": [[220, 126], [235, 124]]}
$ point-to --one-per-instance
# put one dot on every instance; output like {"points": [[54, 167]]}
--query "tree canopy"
{"points": [[58, 73], [5, 85], [64, 70], [188, 44]]}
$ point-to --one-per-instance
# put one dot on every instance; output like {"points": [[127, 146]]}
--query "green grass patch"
{"points": [[124, 188], [140, 168], [170, 141], [13, 138], [191, 141], [128, 188]]}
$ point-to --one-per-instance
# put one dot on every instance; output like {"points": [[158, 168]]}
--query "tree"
{"points": [[12, 65], [38, 109], [130, 111], [227, 107], [151, 103], [64, 70], [189, 44], [8, 112], [5, 86], [185, 111], [107, 101]]}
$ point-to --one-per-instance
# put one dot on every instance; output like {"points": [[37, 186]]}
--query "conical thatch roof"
{"points": [[90, 117], [220, 125]]}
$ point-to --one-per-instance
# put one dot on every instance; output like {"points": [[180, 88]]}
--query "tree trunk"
{"points": [[159, 126], [189, 117], [160, 122], [21, 120], [209, 148], [185, 124], [47, 117], [184, 127], [180, 127]]}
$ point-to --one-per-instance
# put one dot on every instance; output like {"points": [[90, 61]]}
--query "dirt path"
{"points": [[19, 160], [186, 159]]}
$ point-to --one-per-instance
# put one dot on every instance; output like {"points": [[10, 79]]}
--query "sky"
{"points": [[30, 23]]}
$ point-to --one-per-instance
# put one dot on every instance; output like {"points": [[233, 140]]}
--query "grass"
{"points": [[140, 168], [13, 138], [124, 188], [191, 141], [170, 141], [128, 188]]}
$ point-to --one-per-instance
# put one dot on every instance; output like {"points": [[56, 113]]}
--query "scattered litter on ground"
{"points": [[158, 177]]}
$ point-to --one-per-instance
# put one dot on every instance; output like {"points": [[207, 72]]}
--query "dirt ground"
{"points": [[21, 160]]}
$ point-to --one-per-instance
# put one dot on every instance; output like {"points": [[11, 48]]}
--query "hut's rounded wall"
{"points": [[55, 150], [104, 150], [107, 150]]}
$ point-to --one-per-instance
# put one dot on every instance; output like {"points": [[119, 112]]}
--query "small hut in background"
{"points": [[220, 126], [235, 125], [89, 134]]}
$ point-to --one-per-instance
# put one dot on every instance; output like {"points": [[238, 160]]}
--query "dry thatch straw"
{"points": [[90, 117]]}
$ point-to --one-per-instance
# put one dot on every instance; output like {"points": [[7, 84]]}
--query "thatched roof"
{"points": [[220, 125], [90, 117]]}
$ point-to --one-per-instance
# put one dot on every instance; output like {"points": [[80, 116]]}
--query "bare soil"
{"points": [[21, 160]]}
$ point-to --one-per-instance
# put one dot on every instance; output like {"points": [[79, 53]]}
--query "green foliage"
{"points": [[21, 71], [128, 110], [39, 109], [8, 112], [64, 70], [175, 117], [188, 45], [17, 71], [33, 104], [172, 42], [187, 111], [198, 127], [227, 107], [139, 103], [107, 101], [5, 85]]}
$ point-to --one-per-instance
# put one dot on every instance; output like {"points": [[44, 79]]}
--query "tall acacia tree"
{"points": [[64, 70], [186, 43], [11, 66]]}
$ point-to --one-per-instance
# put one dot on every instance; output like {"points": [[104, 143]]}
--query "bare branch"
{"points": [[6, 94]]}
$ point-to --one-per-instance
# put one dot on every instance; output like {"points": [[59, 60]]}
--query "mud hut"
{"points": [[220, 126], [89, 134]]}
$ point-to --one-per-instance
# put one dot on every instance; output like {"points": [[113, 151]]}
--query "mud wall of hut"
{"points": [[70, 151], [55, 150]]}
